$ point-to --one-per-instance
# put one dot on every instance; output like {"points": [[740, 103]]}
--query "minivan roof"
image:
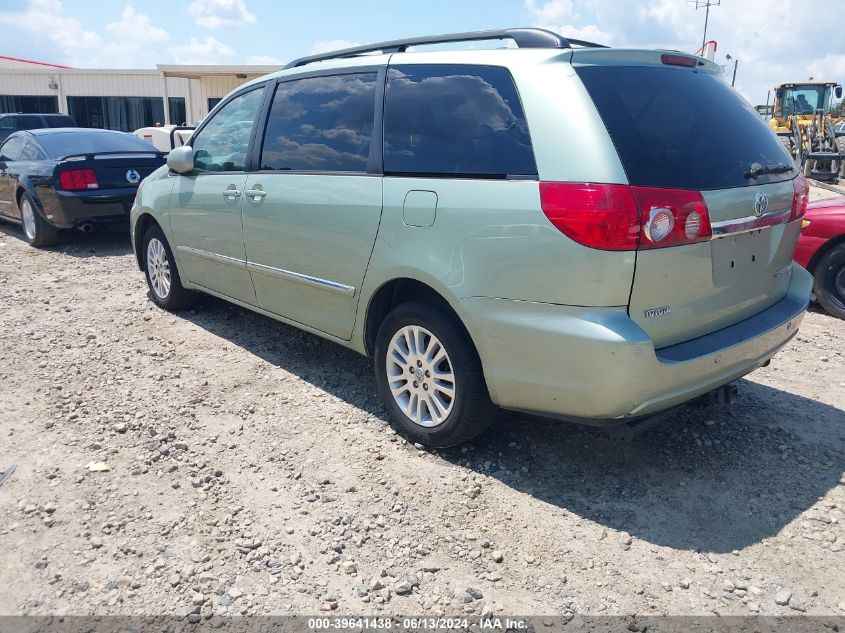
{"points": [[538, 46], [522, 37]]}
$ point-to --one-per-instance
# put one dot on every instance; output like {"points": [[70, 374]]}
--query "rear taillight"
{"points": [[671, 217], [595, 215], [800, 197], [76, 179], [623, 218]]}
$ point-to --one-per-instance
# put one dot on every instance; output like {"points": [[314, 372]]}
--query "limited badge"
{"points": [[656, 312]]}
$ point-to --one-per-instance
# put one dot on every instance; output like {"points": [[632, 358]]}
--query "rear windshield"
{"points": [[86, 142], [683, 129]]}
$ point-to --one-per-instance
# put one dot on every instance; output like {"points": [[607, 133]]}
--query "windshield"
{"points": [[67, 143], [803, 100], [683, 129]]}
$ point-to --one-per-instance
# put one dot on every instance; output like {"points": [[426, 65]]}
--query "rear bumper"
{"points": [[595, 365], [72, 208]]}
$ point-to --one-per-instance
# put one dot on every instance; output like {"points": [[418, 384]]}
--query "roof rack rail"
{"points": [[523, 37]]}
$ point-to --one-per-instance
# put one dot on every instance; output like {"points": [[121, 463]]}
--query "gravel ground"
{"points": [[250, 471]]}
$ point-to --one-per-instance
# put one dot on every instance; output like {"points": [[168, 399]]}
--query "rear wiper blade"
{"points": [[768, 169]]}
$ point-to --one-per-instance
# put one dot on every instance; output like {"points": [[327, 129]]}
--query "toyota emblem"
{"points": [[761, 203], [133, 177]]}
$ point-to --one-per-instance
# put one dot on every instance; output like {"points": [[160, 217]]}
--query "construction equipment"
{"points": [[801, 117]]}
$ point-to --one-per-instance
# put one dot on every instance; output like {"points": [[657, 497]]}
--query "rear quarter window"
{"points": [[680, 128], [455, 120]]}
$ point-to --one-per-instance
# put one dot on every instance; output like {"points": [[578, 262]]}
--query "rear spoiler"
{"points": [[91, 155]]}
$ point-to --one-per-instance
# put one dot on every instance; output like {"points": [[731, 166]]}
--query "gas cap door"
{"points": [[420, 208]]}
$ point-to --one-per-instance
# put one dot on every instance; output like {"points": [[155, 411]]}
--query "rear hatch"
{"points": [[688, 141]]}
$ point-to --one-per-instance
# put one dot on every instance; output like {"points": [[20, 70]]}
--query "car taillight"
{"points": [[595, 215], [624, 218], [75, 179], [671, 217], [800, 197]]}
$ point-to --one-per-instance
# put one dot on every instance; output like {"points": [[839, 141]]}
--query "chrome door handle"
{"points": [[232, 193], [255, 194]]}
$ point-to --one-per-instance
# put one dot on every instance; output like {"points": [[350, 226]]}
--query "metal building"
{"points": [[119, 99]]}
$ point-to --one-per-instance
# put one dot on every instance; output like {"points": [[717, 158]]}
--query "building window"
{"points": [[29, 104], [213, 101], [176, 105], [126, 114]]}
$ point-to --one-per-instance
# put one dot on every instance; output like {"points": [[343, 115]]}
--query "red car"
{"points": [[821, 250]]}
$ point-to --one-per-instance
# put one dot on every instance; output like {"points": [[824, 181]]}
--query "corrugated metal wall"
{"points": [[212, 87], [25, 84], [79, 83]]}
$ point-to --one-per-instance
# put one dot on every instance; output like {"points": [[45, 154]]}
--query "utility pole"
{"points": [[705, 4], [736, 63]]}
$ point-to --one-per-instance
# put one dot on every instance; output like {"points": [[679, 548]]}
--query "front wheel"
{"points": [[162, 277], [830, 281], [429, 375]]}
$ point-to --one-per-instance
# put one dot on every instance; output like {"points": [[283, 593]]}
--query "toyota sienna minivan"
{"points": [[555, 227]]}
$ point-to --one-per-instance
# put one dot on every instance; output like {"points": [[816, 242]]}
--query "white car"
{"points": [[165, 137]]}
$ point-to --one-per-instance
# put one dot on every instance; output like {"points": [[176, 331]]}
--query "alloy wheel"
{"points": [[421, 376], [28, 216], [158, 268]]}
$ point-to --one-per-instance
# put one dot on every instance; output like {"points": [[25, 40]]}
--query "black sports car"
{"points": [[64, 178]]}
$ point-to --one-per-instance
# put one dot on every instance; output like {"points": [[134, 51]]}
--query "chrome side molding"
{"points": [[308, 280], [214, 257]]}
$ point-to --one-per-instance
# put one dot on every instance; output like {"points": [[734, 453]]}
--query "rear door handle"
{"points": [[255, 194], [232, 193]]}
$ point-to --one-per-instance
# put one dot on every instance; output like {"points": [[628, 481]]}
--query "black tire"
{"points": [[830, 281], [471, 412], [176, 297], [36, 230]]}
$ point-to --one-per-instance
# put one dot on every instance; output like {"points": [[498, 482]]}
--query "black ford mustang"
{"points": [[64, 178]]}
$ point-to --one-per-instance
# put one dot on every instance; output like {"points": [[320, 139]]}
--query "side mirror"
{"points": [[838, 92], [181, 159]]}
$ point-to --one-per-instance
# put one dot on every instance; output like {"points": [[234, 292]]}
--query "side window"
{"points": [[31, 152], [321, 124], [11, 149], [455, 120], [223, 143], [29, 122]]}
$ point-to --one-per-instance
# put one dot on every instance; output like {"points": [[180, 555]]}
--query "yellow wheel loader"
{"points": [[801, 117]]}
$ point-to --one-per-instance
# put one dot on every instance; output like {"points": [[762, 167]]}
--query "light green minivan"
{"points": [[554, 227]]}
